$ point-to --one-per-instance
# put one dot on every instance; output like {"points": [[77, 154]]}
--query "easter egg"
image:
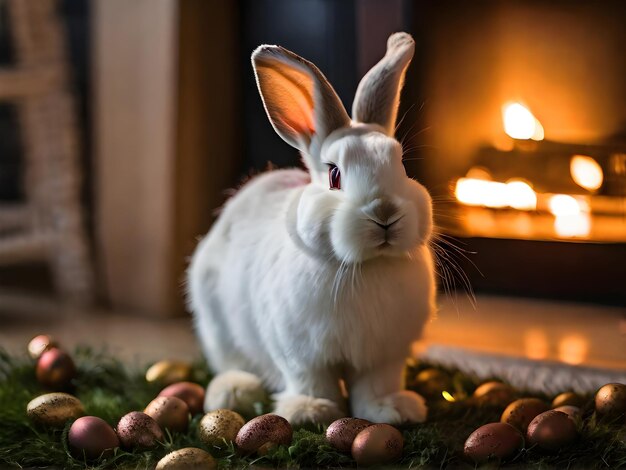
{"points": [[341, 433], [55, 369], [551, 430], [92, 437], [218, 426], [611, 400], [573, 412], [169, 412], [168, 372], [137, 430], [497, 440], [377, 444], [40, 344], [494, 393], [189, 392], [190, 458], [264, 432], [54, 409], [521, 412], [568, 399]]}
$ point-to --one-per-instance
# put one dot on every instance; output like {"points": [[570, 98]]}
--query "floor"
{"points": [[575, 334]]}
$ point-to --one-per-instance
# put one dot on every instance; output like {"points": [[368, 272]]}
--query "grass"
{"points": [[109, 389]]}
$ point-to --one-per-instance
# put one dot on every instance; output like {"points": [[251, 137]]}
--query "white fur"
{"points": [[298, 284]]}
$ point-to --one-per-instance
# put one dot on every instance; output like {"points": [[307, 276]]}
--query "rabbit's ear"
{"points": [[300, 103], [378, 95]]}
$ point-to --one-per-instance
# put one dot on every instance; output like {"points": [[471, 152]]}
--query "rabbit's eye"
{"points": [[334, 177]]}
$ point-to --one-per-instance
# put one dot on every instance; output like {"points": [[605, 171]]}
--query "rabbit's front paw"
{"points": [[235, 390], [298, 409], [399, 407]]}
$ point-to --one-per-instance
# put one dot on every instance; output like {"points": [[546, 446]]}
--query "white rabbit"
{"points": [[307, 279]]}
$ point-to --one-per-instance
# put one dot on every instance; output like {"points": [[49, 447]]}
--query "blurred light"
{"points": [[448, 396], [479, 173], [563, 204], [536, 344], [573, 225], [573, 349], [520, 123], [586, 172], [520, 195]]}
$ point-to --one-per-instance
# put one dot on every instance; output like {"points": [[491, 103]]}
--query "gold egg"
{"points": [[169, 412], [378, 444], [568, 399], [54, 409], [219, 426], [521, 412], [168, 372], [40, 344], [494, 393], [189, 458], [431, 382], [611, 400]]}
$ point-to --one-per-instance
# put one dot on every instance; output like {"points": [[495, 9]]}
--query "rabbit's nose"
{"points": [[383, 212]]}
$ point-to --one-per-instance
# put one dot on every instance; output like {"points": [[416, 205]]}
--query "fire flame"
{"points": [[586, 172], [482, 192], [520, 123], [571, 217]]}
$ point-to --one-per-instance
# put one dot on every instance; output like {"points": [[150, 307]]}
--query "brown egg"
{"points": [[137, 430], [40, 344], [168, 372], [55, 369], [494, 393], [572, 411], [611, 400], [377, 444], [54, 409], [521, 412], [498, 440], [189, 392], [190, 458], [92, 437], [551, 430], [341, 433], [263, 432], [431, 382], [219, 426], [568, 399], [169, 412]]}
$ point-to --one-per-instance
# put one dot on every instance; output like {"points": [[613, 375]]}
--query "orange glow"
{"points": [[563, 205], [573, 349], [448, 396], [520, 123], [520, 195], [536, 344], [586, 172], [573, 225]]}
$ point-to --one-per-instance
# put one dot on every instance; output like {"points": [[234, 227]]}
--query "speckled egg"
{"points": [[568, 399], [611, 400], [55, 369], [573, 412], [189, 458], [493, 440], [377, 444], [494, 393], [189, 392], [264, 432], [551, 430], [168, 372], [219, 426], [431, 382], [521, 412], [92, 437], [169, 412], [137, 430], [341, 433], [40, 344], [54, 409]]}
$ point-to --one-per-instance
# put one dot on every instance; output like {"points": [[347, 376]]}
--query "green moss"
{"points": [[109, 389]]}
